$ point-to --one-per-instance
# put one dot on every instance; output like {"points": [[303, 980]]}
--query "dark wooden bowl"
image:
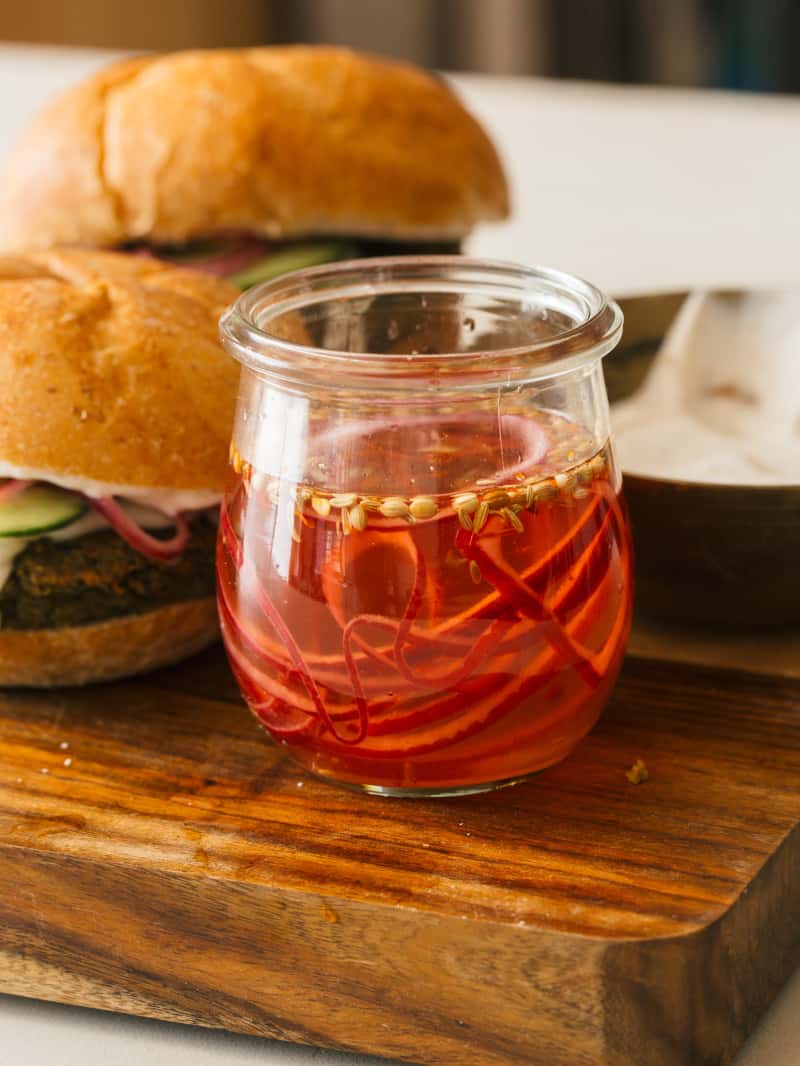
{"points": [[722, 554], [728, 555]]}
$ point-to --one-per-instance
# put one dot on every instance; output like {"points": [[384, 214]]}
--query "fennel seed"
{"points": [[344, 499], [513, 519], [394, 507], [480, 516], [466, 502], [423, 507], [358, 517]]}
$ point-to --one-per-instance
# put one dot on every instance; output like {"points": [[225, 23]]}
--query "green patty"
{"points": [[98, 576]]}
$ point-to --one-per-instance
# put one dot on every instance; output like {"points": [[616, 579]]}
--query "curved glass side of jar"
{"points": [[424, 590]]}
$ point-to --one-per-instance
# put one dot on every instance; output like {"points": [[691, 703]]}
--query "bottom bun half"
{"points": [[103, 651]]}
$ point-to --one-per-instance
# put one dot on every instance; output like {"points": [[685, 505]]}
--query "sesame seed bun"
{"points": [[280, 142]]}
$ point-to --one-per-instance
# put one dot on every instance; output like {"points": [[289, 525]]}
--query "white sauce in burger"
{"points": [[10, 547], [168, 501]]}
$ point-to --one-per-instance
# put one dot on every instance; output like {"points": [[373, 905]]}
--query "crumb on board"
{"points": [[637, 773]]}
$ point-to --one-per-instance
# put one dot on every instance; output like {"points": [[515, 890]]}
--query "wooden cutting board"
{"points": [[159, 856]]}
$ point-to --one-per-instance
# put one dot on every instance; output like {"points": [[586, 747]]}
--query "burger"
{"points": [[249, 163], [116, 402]]}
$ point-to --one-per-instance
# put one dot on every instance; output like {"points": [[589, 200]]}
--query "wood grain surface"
{"points": [[158, 855]]}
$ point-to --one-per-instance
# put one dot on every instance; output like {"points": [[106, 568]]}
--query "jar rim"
{"points": [[594, 331]]}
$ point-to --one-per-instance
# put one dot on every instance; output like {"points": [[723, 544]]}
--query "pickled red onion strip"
{"points": [[478, 650], [231, 537], [557, 559], [489, 640], [484, 695], [402, 631], [326, 674], [483, 708], [529, 604], [248, 651], [12, 487], [224, 263], [512, 593], [125, 527], [293, 649]]}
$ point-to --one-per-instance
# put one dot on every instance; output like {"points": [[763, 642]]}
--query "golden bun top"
{"points": [[111, 370], [279, 141]]}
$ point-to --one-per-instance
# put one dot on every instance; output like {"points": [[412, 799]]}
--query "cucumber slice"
{"points": [[294, 257], [40, 509]]}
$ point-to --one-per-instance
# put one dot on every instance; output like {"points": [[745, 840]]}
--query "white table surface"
{"points": [[639, 190]]}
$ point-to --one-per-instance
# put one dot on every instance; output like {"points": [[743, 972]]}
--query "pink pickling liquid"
{"points": [[396, 652]]}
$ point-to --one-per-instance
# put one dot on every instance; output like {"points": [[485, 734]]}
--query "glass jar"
{"points": [[424, 561]]}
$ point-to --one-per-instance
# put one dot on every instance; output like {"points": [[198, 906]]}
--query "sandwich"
{"points": [[249, 163], [116, 401]]}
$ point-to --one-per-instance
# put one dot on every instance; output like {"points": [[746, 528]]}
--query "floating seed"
{"points": [[358, 517], [370, 503], [344, 499], [465, 520], [466, 502], [394, 507], [475, 572], [321, 505], [423, 507], [480, 516], [512, 519], [530, 497], [496, 499], [345, 517], [561, 480]]}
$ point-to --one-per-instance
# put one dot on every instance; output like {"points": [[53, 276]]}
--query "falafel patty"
{"points": [[98, 576]]}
